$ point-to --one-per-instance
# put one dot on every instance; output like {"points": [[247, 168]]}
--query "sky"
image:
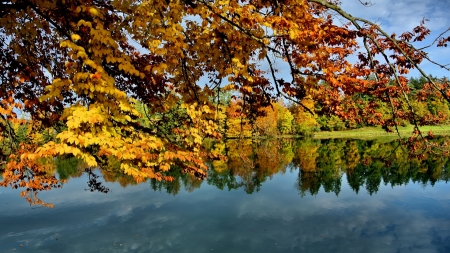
{"points": [[403, 15]]}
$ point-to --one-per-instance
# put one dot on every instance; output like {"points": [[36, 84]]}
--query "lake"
{"points": [[270, 196]]}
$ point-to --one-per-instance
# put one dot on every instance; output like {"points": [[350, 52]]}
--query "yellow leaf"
{"points": [[91, 161], [75, 37], [93, 11]]}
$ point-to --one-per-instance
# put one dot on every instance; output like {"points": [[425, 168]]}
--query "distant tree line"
{"points": [[286, 118]]}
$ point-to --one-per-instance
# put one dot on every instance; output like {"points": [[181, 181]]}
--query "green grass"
{"points": [[378, 132]]}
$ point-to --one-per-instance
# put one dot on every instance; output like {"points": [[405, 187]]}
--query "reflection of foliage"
{"points": [[94, 184], [112, 173], [352, 157], [330, 165], [223, 179], [171, 187], [306, 154], [190, 182], [367, 164], [321, 164], [31, 197], [68, 167], [250, 163], [327, 170]]}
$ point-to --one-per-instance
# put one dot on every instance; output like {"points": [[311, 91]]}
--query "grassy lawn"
{"points": [[376, 132]]}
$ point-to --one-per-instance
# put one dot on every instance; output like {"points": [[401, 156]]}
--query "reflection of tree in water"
{"points": [[112, 172], [367, 164], [321, 164], [190, 182], [70, 167], [94, 184], [250, 163]]}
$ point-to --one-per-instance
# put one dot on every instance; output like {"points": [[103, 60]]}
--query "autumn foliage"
{"points": [[135, 81]]}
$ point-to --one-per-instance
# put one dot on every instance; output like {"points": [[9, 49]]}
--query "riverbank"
{"points": [[365, 133], [376, 132]]}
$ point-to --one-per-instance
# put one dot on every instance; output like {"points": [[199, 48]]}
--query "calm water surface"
{"points": [[279, 217]]}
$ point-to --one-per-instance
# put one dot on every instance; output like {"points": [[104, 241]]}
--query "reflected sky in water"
{"points": [[410, 218]]}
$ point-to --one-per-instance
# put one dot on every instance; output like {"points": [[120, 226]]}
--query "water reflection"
{"points": [[217, 215], [321, 164]]}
